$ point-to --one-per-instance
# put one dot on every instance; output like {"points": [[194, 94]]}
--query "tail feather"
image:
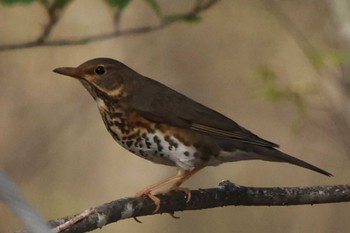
{"points": [[279, 156]]}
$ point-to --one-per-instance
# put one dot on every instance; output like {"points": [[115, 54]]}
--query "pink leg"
{"points": [[181, 176]]}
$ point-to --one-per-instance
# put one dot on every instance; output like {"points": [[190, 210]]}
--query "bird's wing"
{"points": [[159, 103]]}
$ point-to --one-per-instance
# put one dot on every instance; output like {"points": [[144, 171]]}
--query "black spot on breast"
{"points": [[129, 143], [116, 115], [148, 144], [141, 153], [132, 151], [130, 137], [186, 153], [150, 129], [158, 142], [115, 136], [122, 125], [172, 143], [138, 142]]}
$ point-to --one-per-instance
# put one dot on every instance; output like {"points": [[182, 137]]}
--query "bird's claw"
{"points": [[187, 191], [147, 192]]}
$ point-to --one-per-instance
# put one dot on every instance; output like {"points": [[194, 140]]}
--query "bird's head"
{"points": [[101, 75]]}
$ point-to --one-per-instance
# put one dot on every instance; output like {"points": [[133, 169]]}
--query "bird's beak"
{"points": [[69, 71]]}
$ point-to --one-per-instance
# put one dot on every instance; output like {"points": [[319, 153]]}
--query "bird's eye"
{"points": [[100, 70]]}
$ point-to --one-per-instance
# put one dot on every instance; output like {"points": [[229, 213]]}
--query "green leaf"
{"points": [[192, 18], [155, 6], [62, 3], [16, 1], [121, 4]]}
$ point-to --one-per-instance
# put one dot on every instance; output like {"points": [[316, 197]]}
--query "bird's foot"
{"points": [[187, 191], [147, 192]]}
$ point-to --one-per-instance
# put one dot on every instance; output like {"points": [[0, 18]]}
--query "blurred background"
{"points": [[279, 68]]}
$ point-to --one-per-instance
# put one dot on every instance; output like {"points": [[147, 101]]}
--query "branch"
{"points": [[225, 194], [53, 12]]}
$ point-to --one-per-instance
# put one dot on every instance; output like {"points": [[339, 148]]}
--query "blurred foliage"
{"points": [[189, 18], [155, 6], [192, 18], [334, 57], [61, 3], [272, 90], [120, 4]]}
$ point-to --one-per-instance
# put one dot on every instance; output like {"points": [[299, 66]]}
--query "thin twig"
{"points": [[53, 12], [74, 220], [199, 7]]}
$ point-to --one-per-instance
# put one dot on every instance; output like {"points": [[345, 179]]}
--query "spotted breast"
{"points": [[152, 141]]}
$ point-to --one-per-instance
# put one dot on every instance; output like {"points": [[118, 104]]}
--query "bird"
{"points": [[161, 125]]}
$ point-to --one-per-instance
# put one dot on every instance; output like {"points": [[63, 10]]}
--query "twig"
{"points": [[74, 220], [53, 12], [225, 194], [199, 7]]}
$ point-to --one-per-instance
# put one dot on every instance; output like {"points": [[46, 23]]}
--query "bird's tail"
{"points": [[271, 154]]}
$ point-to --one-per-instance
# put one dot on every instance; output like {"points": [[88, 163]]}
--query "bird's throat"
{"points": [[101, 104]]}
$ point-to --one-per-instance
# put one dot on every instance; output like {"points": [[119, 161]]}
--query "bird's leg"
{"points": [[158, 185], [147, 191], [185, 175], [181, 176]]}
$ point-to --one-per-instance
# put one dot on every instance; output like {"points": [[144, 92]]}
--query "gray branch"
{"points": [[226, 194], [54, 13]]}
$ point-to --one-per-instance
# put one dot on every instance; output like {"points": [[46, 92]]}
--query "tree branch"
{"points": [[54, 10], [225, 194]]}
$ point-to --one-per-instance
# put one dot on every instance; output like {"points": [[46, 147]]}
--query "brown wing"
{"points": [[159, 103]]}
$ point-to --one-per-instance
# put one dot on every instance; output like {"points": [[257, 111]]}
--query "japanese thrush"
{"points": [[159, 124]]}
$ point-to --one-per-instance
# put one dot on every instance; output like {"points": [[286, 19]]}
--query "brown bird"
{"points": [[159, 124]]}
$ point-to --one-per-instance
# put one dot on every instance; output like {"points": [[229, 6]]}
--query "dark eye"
{"points": [[100, 70]]}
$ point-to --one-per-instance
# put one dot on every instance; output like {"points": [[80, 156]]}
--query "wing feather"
{"points": [[159, 103]]}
